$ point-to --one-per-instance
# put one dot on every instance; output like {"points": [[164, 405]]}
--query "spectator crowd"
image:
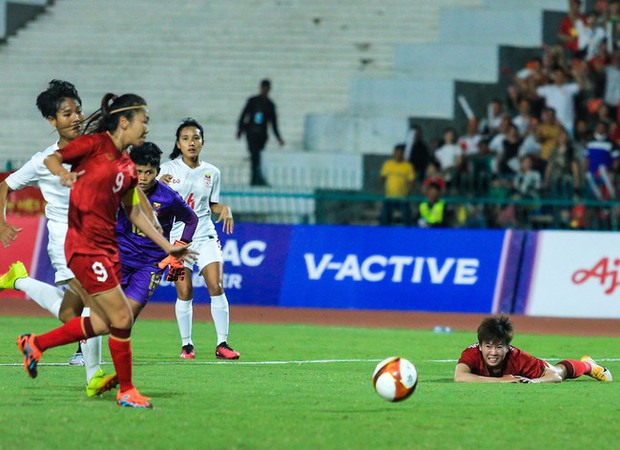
{"points": [[554, 136]]}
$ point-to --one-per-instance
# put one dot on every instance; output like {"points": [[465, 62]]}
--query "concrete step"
{"points": [[448, 61], [485, 26]]}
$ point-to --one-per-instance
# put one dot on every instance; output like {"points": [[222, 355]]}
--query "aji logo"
{"points": [[208, 180], [605, 272]]}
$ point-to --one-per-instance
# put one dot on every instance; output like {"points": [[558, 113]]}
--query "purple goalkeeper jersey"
{"points": [[136, 249]]}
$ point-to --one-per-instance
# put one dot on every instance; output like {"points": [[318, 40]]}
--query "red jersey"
{"points": [[96, 195], [517, 362], [567, 28]]}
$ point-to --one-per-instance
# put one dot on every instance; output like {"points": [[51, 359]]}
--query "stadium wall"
{"points": [[546, 273]]}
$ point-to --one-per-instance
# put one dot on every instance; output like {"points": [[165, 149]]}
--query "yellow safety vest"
{"points": [[433, 215]]}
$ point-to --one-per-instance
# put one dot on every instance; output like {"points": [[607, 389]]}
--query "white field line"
{"points": [[271, 363]]}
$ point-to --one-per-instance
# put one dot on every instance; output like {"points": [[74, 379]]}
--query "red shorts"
{"points": [[96, 273]]}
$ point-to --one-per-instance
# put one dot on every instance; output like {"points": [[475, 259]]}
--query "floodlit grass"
{"points": [[303, 405]]}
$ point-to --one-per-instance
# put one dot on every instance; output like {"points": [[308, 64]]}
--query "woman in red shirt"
{"points": [[102, 178], [493, 359]]}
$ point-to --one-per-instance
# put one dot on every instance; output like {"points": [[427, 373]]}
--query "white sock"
{"points": [[91, 352], [184, 311], [47, 296], [220, 314]]}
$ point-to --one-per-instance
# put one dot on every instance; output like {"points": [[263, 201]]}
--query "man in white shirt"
{"points": [[560, 96]]}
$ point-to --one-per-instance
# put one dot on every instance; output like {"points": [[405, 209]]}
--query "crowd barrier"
{"points": [[536, 273]]}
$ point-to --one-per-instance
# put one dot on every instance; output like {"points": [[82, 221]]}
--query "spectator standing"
{"points": [[524, 117], [259, 112], [495, 114], [449, 155], [398, 176], [527, 182], [433, 175], [433, 209], [548, 132], [562, 176], [601, 155], [481, 164], [560, 96], [470, 140], [507, 159], [530, 144], [612, 84], [590, 37], [613, 25], [417, 151], [567, 32]]}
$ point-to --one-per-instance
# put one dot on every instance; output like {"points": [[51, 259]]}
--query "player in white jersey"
{"points": [[61, 105], [198, 182]]}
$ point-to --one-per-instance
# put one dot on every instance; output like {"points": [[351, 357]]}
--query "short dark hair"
{"points": [[146, 154], [496, 329], [266, 83], [49, 100], [400, 147]]}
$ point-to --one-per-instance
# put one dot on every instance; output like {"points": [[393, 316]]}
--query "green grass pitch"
{"points": [[318, 401]]}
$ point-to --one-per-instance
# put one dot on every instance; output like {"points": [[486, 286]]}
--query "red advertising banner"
{"points": [[25, 248], [25, 202]]}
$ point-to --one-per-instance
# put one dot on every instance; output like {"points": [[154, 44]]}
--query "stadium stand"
{"points": [[203, 59]]}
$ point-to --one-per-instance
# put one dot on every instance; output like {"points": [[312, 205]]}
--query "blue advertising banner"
{"points": [[254, 259], [393, 268]]}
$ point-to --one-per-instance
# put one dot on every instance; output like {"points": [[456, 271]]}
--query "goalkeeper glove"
{"points": [[175, 266]]}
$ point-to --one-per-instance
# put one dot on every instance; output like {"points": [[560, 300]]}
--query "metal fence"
{"points": [[352, 207]]}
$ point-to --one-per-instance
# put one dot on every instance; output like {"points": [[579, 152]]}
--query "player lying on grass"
{"points": [[492, 359]]}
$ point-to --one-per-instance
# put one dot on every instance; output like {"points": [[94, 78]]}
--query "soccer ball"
{"points": [[395, 379]]}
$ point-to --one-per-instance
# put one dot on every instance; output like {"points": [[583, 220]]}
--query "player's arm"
{"points": [[183, 213], [550, 375], [135, 214], [225, 215], [54, 163], [462, 374], [147, 208], [8, 232]]}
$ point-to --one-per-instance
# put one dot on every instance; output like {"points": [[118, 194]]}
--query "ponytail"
{"points": [[112, 108]]}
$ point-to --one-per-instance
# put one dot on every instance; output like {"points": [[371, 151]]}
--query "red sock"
{"points": [[575, 369], [120, 349], [75, 330]]}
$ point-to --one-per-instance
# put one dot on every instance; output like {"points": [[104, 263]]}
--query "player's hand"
{"points": [[512, 379], [226, 217], [8, 233], [181, 251], [68, 179], [524, 379], [175, 268], [166, 178]]}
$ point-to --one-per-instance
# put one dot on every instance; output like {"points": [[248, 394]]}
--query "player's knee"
{"points": [[215, 289], [65, 315], [185, 292]]}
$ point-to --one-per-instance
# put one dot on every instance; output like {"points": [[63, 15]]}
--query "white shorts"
{"points": [[209, 250], [56, 251]]}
